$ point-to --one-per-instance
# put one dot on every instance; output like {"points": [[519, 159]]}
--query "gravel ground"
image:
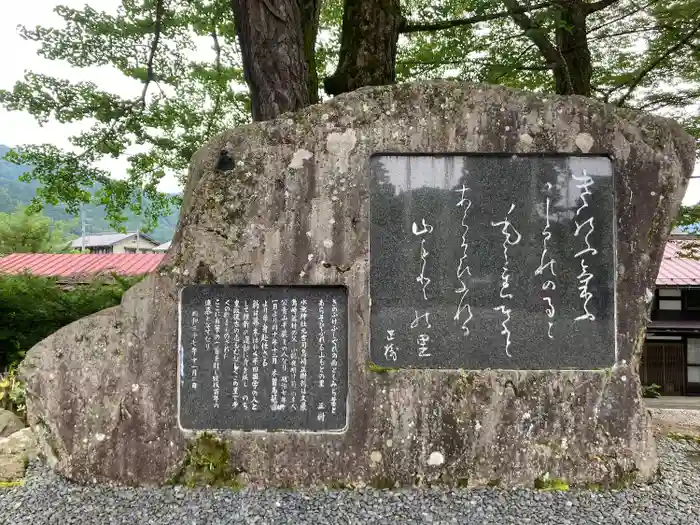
{"points": [[676, 416], [673, 499]]}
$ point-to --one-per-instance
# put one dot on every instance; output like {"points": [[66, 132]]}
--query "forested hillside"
{"points": [[14, 192]]}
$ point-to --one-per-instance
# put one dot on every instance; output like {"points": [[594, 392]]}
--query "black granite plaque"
{"points": [[492, 261], [263, 358]]}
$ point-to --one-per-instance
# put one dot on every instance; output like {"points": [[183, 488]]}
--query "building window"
{"points": [[669, 299], [693, 374], [693, 364], [129, 250], [670, 304], [101, 249], [692, 299]]}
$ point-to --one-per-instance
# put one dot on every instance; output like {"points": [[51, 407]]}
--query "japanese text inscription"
{"points": [[492, 261], [263, 358]]}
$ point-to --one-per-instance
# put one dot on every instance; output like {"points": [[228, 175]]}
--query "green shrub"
{"points": [[651, 391], [32, 308], [12, 395]]}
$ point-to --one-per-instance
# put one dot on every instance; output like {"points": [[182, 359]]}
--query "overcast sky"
{"points": [[19, 55]]}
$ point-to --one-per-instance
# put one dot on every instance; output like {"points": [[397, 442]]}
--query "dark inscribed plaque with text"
{"points": [[492, 261], [263, 358]]}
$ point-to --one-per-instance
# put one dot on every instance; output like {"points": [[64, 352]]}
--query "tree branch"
{"points": [[509, 67], [623, 33], [622, 17], [447, 24], [505, 72], [645, 71], [534, 33], [152, 53], [599, 6]]}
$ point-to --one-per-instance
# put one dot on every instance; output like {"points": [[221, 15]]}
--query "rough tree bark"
{"points": [[277, 40], [310, 13], [574, 75], [272, 40], [368, 41]]}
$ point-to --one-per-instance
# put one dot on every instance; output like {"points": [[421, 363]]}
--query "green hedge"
{"points": [[32, 308]]}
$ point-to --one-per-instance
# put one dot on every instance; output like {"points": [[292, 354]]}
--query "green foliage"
{"points": [[644, 56], [178, 102], [689, 216], [651, 391], [12, 394], [661, 76], [24, 231], [15, 193], [32, 308]]}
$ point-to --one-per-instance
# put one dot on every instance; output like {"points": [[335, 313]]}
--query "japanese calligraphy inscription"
{"points": [[492, 261], [263, 358]]}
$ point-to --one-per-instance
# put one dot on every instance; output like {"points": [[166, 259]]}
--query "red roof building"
{"points": [[81, 265], [676, 270]]}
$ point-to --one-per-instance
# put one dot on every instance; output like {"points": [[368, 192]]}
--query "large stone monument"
{"points": [[426, 283]]}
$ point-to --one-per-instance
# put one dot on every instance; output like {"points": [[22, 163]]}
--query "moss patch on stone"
{"points": [[379, 369], [10, 484], [206, 463], [546, 483]]}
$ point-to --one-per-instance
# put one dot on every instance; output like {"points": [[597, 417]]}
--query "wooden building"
{"points": [[671, 356]]}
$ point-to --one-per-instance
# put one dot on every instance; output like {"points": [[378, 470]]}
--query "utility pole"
{"points": [[83, 229], [138, 228]]}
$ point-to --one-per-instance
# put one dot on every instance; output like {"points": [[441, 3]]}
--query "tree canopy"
{"points": [[25, 232], [206, 65]]}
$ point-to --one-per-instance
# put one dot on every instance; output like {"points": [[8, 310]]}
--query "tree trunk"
{"points": [[569, 56], [574, 76], [368, 42], [310, 13], [272, 39]]}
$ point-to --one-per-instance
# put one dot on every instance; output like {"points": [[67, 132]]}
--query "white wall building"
{"points": [[116, 243]]}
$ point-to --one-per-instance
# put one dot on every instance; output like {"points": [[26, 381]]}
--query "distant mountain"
{"points": [[14, 192]]}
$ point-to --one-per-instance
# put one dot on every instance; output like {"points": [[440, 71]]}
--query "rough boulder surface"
{"points": [[9, 423], [262, 199], [16, 451]]}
